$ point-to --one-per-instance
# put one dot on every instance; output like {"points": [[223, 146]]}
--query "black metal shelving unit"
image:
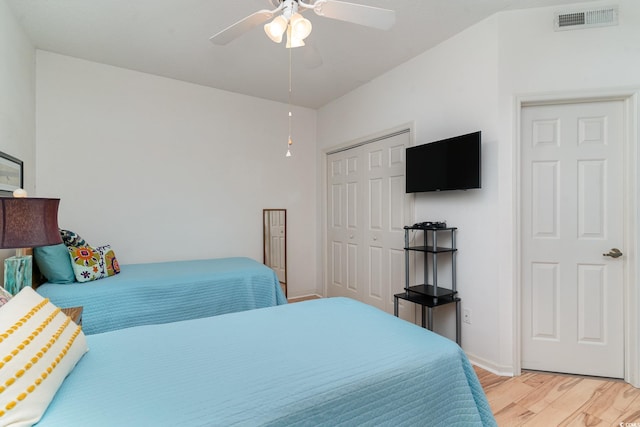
{"points": [[430, 294]]}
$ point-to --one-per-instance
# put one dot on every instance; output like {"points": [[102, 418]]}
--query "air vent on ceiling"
{"points": [[587, 18]]}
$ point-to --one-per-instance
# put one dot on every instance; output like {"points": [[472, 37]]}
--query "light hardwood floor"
{"points": [[545, 399]]}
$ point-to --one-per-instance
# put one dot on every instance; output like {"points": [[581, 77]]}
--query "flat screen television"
{"points": [[449, 164]]}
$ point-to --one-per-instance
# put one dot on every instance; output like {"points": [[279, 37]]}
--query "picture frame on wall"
{"points": [[11, 174]]}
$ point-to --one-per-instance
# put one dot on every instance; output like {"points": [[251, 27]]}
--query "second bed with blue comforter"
{"points": [[153, 293], [328, 362]]}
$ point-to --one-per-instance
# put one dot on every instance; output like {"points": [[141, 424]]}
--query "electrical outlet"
{"points": [[466, 316]]}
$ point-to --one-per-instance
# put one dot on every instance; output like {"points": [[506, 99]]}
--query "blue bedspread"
{"points": [[144, 294], [333, 362]]}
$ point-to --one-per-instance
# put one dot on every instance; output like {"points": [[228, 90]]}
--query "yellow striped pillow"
{"points": [[39, 346]]}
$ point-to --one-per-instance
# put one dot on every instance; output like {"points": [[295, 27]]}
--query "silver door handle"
{"points": [[614, 253]]}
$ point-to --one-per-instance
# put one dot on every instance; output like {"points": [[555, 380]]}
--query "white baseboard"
{"points": [[304, 296], [503, 371]]}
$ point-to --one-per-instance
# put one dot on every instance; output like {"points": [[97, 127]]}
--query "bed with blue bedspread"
{"points": [[333, 362], [144, 294]]}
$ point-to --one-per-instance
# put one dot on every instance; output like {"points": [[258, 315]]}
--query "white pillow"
{"points": [[39, 346], [4, 296]]}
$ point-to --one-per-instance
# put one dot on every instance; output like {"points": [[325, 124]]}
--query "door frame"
{"points": [[631, 287], [409, 200]]}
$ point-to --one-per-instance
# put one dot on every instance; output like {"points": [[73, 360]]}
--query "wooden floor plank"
{"points": [[547, 390], [579, 419], [627, 397], [548, 417], [603, 405], [513, 415], [504, 395], [579, 394], [631, 414]]}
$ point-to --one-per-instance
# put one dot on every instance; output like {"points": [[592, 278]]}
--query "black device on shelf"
{"points": [[429, 225], [448, 164]]}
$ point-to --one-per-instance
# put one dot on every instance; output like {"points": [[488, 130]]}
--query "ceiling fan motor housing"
{"points": [[277, 3]]}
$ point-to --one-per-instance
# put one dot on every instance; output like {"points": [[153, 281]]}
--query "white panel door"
{"points": [[385, 218], [572, 214], [344, 229], [366, 212]]}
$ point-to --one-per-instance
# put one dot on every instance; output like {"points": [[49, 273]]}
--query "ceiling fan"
{"points": [[289, 20]]}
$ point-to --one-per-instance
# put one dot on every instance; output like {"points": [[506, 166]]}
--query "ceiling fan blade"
{"points": [[242, 26], [369, 16], [311, 56]]}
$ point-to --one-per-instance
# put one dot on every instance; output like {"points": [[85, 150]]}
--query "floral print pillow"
{"points": [[93, 263]]}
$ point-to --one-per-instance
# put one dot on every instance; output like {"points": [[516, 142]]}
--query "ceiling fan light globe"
{"points": [[275, 39], [300, 26], [276, 28], [293, 41]]}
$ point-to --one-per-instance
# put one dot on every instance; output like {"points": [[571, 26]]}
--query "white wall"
{"points": [[17, 86], [469, 83], [17, 99], [166, 170]]}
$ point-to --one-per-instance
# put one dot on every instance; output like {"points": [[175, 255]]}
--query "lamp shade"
{"points": [[28, 222], [300, 26], [292, 40], [276, 28]]}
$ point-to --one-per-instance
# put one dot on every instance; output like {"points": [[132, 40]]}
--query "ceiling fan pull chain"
{"points": [[289, 141]]}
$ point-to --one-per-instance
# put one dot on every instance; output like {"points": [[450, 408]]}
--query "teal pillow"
{"points": [[54, 263]]}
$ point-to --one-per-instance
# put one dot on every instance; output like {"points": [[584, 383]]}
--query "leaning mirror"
{"points": [[274, 243]]}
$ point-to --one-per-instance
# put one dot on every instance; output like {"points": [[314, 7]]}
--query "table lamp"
{"points": [[25, 223]]}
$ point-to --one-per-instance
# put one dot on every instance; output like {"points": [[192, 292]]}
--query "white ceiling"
{"points": [[171, 38]]}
